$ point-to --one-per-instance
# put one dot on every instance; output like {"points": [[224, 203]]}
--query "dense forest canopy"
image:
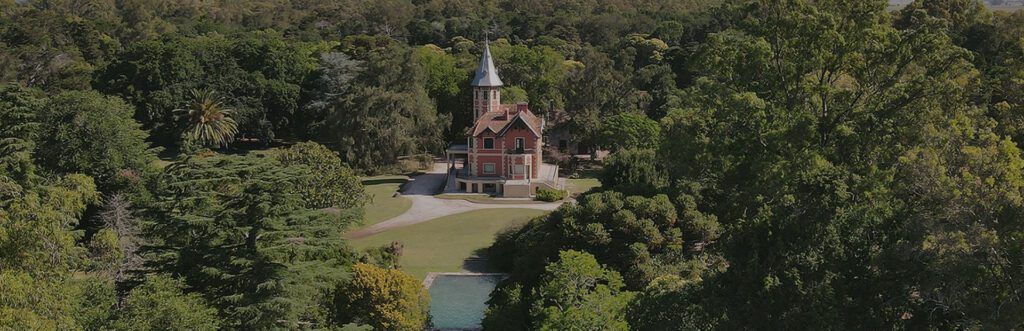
{"points": [[832, 165], [776, 164], [274, 63]]}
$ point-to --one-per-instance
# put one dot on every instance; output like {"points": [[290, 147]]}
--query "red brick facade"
{"points": [[503, 152], [493, 148]]}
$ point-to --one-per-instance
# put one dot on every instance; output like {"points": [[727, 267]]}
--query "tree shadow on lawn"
{"points": [[399, 181], [478, 262]]}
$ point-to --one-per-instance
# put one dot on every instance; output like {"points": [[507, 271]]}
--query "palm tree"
{"points": [[210, 122]]}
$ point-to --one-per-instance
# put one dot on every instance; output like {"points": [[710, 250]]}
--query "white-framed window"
{"points": [[518, 169], [488, 143], [488, 168], [520, 143]]}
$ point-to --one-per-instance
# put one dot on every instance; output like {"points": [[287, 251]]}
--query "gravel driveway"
{"points": [[425, 206]]}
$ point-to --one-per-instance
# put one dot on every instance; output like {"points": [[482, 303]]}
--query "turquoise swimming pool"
{"points": [[458, 301]]}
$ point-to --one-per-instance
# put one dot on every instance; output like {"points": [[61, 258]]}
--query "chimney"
{"points": [[522, 107]]}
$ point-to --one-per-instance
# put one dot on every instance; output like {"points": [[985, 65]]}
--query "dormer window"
{"points": [[488, 143]]}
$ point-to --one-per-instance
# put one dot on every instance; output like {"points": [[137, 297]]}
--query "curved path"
{"points": [[425, 206]]}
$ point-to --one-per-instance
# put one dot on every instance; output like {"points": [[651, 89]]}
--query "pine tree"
{"points": [[235, 228]]}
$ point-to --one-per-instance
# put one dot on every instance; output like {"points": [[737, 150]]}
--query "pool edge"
{"points": [[429, 280]]}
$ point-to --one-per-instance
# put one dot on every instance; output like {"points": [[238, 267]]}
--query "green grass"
{"points": [[580, 185], [385, 204], [444, 244]]}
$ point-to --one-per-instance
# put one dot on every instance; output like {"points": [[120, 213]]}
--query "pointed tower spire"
{"points": [[487, 74]]}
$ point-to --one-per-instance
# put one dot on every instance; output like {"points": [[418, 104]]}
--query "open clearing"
{"points": [[385, 204], [450, 243], [576, 186], [426, 207]]}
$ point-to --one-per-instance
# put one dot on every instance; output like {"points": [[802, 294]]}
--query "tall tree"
{"points": [[91, 133], [447, 78], [328, 85], [121, 230], [387, 115], [210, 122], [38, 254], [19, 126], [161, 304], [335, 185], [259, 74], [539, 70], [235, 228], [593, 91], [634, 171], [804, 120], [963, 19], [386, 299], [577, 293], [629, 130], [963, 190], [634, 235]]}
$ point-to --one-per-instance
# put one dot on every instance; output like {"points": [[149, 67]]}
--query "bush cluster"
{"points": [[551, 195]]}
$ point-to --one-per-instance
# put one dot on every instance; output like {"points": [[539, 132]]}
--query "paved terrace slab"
{"points": [[425, 207]]}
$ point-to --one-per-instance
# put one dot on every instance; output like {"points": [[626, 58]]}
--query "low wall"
{"points": [[517, 191]]}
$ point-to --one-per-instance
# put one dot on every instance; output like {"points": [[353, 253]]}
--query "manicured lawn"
{"points": [[385, 204], [444, 244], [580, 185]]}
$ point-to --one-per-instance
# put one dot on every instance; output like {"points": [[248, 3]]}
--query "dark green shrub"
{"points": [[551, 195]]}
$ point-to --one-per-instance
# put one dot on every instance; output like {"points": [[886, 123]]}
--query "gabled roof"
{"points": [[522, 117], [497, 122], [487, 74]]}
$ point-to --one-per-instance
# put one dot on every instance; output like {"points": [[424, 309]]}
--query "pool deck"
{"points": [[429, 280]]}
